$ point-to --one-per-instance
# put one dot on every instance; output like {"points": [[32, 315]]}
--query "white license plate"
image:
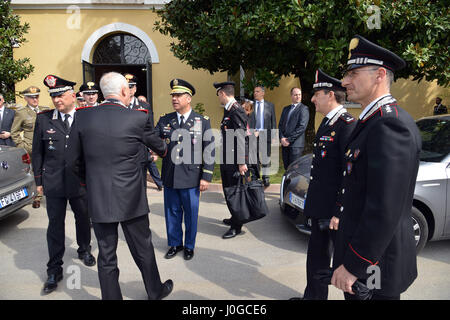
{"points": [[13, 197], [297, 201]]}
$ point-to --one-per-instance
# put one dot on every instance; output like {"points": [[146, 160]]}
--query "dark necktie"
{"points": [[324, 121], [181, 121], [291, 111], [66, 122], [259, 115]]}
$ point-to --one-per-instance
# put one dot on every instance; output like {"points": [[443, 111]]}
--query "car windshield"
{"points": [[435, 139]]}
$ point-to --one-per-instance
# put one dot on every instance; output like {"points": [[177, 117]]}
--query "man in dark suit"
{"points": [[292, 128], [439, 108], [189, 169], [6, 121], [115, 185], [136, 104], [375, 239], [54, 178], [263, 120], [326, 176]]}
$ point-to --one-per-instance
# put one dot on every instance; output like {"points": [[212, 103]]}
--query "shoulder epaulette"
{"points": [[45, 111], [142, 109], [347, 117], [389, 110], [81, 108]]}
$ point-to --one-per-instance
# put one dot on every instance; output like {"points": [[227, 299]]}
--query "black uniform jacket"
{"points": [[190, 154], [234, 129], [50, 157], [137, 104], [294, 128], [107, 145], [327, 164], [381, 164]]}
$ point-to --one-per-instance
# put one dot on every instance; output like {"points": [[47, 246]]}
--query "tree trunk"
{"points": [[306, 100]]}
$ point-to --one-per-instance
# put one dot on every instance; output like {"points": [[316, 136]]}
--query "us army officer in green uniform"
{"points": [[23, 126]]}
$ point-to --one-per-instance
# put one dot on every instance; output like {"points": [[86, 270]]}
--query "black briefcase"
{"points": [[246, 200]]}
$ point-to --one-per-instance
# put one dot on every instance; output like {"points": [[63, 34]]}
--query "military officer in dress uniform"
{"points": [[188, 170], [23, 125], [110, 165], [234, 153], [326, 176], [57, 181], [81, 102], [375, 239], [90, 90]]}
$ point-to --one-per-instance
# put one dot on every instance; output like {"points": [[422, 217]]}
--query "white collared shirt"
{"points": [[186, 116], [333, 112], [2, 111], [34, 109], [71, 113], [370, 105], [229, 104]]}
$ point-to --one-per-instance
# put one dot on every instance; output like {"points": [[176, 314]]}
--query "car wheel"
{"points": [[420, 226]]}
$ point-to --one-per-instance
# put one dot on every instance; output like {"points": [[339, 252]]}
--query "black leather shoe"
{"points": [[173, 252], [159, 188], [266, 181], [188, 254], [36, 204], [227, 222], [52, 283], [166, 290], [87, 258], [231, 233]]}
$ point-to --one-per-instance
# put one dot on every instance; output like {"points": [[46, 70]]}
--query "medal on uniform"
{"points": [[326, 138], [348, 152], [167, 140], [333, 133], [323, 153], [349, 167], [356, 154]]}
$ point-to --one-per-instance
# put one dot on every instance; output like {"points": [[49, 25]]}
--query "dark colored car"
{"points": [[17, 186], [431, 203]]}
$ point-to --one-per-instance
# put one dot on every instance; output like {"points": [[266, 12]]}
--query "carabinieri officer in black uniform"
{"points": [[234, 153], [59, 183], [375, 236], [326, 177], [188, 168]]}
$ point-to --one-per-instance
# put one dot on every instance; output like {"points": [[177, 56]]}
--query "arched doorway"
{"points": [[122, 48]]}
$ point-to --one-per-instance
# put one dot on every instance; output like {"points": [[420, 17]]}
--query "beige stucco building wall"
{"points": [[55, 45], [54, 48]]}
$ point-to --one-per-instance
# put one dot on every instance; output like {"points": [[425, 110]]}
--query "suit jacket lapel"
{"points": [[190, 121], [174, 121], [57, 122]]}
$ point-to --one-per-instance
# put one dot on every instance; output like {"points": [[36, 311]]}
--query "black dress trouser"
{"points": [[139, 240], [320, 251], [56, 212]]}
